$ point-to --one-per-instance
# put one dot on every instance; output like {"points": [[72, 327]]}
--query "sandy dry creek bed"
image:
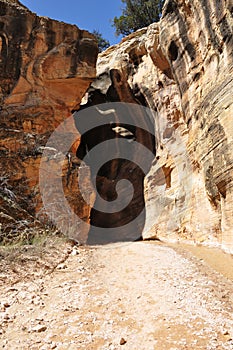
{"points": [[142, 296]]}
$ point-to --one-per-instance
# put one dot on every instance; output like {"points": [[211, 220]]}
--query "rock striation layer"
{"points": [[45, 69], [197, 39], [181, 68]]}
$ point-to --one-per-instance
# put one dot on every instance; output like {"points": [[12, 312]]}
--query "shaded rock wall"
{"points": [[45, 69], [182, 69], [112, 153]]}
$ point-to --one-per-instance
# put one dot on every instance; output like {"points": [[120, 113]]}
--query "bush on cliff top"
{"points": [[137, 14]]}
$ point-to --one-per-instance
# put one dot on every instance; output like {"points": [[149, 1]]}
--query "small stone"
{"points": [[12, 289], [123, 341], [39, 319], [226, 333], [40, 328], [75, 251], [6, 304], [6, 317], [62, 267]]}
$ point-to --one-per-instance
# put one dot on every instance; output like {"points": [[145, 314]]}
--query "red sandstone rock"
{"points": [[45, 69]]}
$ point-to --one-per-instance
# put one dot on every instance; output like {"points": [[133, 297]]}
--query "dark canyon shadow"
{"points": [[112, 151]]}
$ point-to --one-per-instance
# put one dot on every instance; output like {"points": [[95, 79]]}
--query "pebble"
{"points": [[40, 328], [74, 251], [62, 267], [5, 304], [123, 341], [6, 317]]}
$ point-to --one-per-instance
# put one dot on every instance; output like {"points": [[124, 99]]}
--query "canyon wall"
{"points": [[45, 69], [197, 39], [181, 68]]}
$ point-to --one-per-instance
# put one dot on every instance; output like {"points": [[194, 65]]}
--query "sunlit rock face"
{"points": [[181, 68], [45, 69], [197, 40]]}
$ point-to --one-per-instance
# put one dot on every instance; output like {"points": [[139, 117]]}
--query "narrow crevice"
{"points": [[117, 169]]}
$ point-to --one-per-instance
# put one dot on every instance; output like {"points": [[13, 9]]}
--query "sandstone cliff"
{"points": [[45, 69], [197, 40], [182, 69]]}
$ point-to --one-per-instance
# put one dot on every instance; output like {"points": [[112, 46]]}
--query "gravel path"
{"points": [[140, 296]]}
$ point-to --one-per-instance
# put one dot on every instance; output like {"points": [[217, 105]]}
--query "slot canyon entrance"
{"points": [[118, 145]]}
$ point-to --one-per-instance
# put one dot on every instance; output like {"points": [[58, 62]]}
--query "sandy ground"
{"points": [[143, 295]]}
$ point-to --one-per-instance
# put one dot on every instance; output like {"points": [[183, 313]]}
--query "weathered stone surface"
{"points": [[136, 71], [182, 69], [112, 85], [197, 39], [45, 69]]}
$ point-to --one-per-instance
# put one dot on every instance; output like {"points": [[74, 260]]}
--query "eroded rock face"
{"points": [[137, 72], [182, 69], [45, 69], [197, 39]]}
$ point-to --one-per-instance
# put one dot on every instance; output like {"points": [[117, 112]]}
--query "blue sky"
{"points": [[86, 14]]}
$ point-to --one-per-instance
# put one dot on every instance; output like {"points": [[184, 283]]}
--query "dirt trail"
{"points": [[140, 296]]}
